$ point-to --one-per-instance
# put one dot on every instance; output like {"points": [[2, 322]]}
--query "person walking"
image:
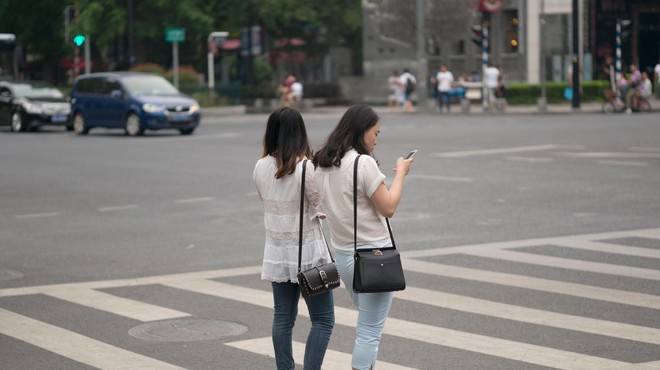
{"points": [[394, 90], [408, 84], [656, 79], [356, 134], [444, 79], [634, 87], [277, 177], [491, 80]]}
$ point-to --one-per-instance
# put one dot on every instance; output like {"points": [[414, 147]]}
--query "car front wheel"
{"points": [[133, 126], [79, 126], [17, 122], [186, 131]]}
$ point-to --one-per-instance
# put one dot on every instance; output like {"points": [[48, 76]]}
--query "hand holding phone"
{"points": [[411, 154]]}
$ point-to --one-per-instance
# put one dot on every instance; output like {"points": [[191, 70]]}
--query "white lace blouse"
{"points": [[281, 201]]}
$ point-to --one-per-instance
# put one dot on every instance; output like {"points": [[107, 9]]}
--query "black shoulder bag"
{"points": [[379, 269], [319, 279]]}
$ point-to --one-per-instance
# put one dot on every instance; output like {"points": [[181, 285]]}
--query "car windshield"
{"points": [[149, 85], [36, 90]]}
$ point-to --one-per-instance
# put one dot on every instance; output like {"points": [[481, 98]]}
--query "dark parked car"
{"points": [[28, 105], [133, 101]]}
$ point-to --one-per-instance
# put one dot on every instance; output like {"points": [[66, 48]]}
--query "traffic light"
{"points": [[478, 34], [79, 39]]}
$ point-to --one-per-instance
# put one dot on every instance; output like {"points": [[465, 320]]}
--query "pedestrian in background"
{"points": [[491, 80], [393, 90], [355, 134], [656, 79], [408, 83], [634, 87], [444, 79], [296, 93], [277, 176]]}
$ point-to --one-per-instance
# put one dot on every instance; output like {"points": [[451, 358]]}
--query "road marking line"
{"points": [[610, 248], [75, 346], [333, 360], [119, 283], [533, 283], [194, 200], [117, 208], [610, 155], [37, 215], [624, 163], [529, 159], [117, 305], [502, 348], [531, 315], [470, 153], [569, 264], [441, 178], [644, 149]]}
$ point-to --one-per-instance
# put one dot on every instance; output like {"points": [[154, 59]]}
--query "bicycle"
{"points": [[613, 103]]}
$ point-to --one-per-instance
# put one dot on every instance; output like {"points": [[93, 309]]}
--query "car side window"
{"points": [[112, 85]]}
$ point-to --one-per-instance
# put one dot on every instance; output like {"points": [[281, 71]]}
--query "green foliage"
{"points": [[525, 94], [188, 76], [149, 68]]}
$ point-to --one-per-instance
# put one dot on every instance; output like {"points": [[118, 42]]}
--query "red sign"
{"points": [[490, 6]]}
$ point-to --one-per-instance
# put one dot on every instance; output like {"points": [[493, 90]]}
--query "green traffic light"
{"points": [[79, 39]]}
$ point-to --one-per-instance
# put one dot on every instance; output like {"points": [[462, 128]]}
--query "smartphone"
{"points": [[411, 154]]}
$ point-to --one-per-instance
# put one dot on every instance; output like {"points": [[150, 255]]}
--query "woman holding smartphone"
{"points": [[277, 176], [355, 134]]}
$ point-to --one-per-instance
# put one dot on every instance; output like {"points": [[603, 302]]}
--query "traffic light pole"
{"points": [[576, 55], [484, 64], [88, 58]]}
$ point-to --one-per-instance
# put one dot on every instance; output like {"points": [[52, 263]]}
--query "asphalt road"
{"points": [[531, 242]]}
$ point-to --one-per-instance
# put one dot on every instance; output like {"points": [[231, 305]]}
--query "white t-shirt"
{"points": [[336, 185], [281, 202], [297, 89], [656, 70], [444, 81], [491, 76]]}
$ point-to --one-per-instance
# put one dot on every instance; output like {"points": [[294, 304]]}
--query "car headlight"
{"points": [[153, 108], [194, 108], [33, 108]]}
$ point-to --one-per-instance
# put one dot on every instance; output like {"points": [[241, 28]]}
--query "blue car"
{"points": [[131, 101]]}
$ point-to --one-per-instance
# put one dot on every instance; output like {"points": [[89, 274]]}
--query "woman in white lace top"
{"points": [[277, 176]]}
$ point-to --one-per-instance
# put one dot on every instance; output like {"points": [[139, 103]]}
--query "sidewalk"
{"points": [[475, 109]]}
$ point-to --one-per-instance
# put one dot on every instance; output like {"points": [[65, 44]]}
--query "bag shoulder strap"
{"points": [[387, 220], [302, 213]]}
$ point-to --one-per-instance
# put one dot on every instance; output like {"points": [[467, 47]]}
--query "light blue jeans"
{"points": [[321, 313], [372, 313]]}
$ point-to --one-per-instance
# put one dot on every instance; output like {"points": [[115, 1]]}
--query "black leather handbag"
{"points": [[376, 270], [319, 279]]}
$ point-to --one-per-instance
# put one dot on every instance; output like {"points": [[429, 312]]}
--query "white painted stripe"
{"points": [[420, 332], [648, 233], [528, 282], [529, 159], [117, 208], [611, 248], [117, 305], [74, 346], [333, 360], [37, 215], [194, 200], [624, 163], [118, 283], [530, 315], [470, 153], [441, 178], [641, 366], [644, 149], [570, 264], [610, 155]]}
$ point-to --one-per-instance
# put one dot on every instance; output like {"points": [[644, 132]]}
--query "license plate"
{"points": [[180, 118], [59, 119]]}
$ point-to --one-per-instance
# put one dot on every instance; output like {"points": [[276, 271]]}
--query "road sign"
{"points": [[175, 34]]}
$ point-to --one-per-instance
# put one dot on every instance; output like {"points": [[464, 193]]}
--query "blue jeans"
{"points": [[444, 100], [372, 312], [321, 313]]}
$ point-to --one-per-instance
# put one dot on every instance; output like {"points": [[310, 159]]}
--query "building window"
{"points": [[459, 47], [511, 20]]}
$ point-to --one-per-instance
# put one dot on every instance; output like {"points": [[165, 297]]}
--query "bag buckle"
{"points": [[377, 252], [324, 277]]}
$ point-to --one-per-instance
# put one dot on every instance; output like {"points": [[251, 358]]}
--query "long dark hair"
{"points": [[348, 134], [286, 140]]}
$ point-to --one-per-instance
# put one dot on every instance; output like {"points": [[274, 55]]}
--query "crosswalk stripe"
{"points": [[571, 264], [529, 282], [529, 315], [117, 305], [421, 332], [610, 248], [333, 360], [77, 347], [470, 153]]}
